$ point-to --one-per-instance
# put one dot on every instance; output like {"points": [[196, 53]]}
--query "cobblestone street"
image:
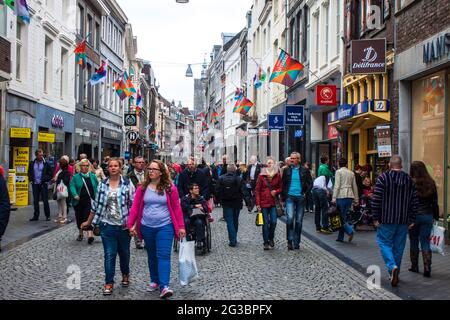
{"points": [[37, 269]]}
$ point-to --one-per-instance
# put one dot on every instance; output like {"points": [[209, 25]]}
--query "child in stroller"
{"points": [[361, 215]]}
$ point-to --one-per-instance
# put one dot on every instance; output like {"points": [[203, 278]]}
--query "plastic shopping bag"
{"points": [[437, 241], [188, 271]]}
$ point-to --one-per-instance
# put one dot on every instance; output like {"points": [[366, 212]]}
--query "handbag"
{"points": [[437, 240], [188, 270], [87, 189], [278, 205], [259, 219], [62, 192], [335, 218]]}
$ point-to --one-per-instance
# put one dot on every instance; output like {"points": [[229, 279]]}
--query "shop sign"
{"points": [[133, 136], [384, 141], [368, 56], [298, 134], [130, 120], [345, 111], [21, 191], [276, 122], [111, 134], [57, 121], [380, 105], [22, 133], [326, 95], [12, 186], [436, 48], [295, 115], [362, 107], [46, 137], [333, 132], [21, 159]]}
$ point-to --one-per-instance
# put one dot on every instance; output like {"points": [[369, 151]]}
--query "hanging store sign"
{"points": [[21, 133], [46, 137], [326, 95], [295, 115], [57, 121], [130, 120], [368, 56], [384, 141], [345, 111], [276, 122], [380, 105], [333, 132]]}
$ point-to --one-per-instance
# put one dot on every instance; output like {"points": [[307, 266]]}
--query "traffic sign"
{"points": [[295, 115], [130, 120], [132, 136], [276, 122], [298, 134]]}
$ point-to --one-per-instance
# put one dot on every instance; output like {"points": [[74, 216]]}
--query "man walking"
{"points": [[230, 193], [137, 177], [39, 175], [254, 170], [297, 182], [394, 208], [192, 175]]}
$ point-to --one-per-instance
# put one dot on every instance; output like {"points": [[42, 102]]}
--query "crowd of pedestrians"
{"points": [[153, 203]]}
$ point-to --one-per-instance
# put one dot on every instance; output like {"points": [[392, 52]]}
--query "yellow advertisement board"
{"points": [[21, 159], [21, 191], [12, 186], [46, 137], [23, 133]]}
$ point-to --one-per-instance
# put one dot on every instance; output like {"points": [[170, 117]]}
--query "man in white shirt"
{"points": [[321, 191], [254, 170]]}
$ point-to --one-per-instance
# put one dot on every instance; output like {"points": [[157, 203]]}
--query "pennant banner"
{"points": [[286, 70]]}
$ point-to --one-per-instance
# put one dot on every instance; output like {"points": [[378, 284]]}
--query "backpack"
{"points": [[230, 188]]}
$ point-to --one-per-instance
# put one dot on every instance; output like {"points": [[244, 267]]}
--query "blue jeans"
{"points": [[391, 239], [421, 232], [321, 209], [232, 218], [295, 210], [344, 205], [270, 223], [116, 240], [158, 242]]}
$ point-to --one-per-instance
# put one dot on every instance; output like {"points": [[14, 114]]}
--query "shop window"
{"points": [[371, 145], [428, 123]]}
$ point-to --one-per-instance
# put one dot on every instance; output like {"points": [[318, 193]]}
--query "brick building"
{"points": [[422, 79]]}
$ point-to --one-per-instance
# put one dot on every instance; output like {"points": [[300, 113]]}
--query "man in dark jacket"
{"points": [[137, 177], [297, 182], [230, 193], [39, 175], [394, 207], [253, 172], [190, 176], [5, 207]]}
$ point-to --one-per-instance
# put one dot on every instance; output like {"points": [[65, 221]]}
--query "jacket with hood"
{"points": [[395, 199]]}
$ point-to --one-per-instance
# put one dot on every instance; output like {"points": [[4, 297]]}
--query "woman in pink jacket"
{"points": [[156, 216]]}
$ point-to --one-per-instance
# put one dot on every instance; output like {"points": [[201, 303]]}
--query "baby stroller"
{"points": [[361, 215]]}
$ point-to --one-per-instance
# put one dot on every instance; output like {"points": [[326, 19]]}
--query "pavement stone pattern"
{"points": [[38, 270]]}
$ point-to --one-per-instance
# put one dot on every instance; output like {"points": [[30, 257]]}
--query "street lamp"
{"points": [[189, 73], [182, 1]]}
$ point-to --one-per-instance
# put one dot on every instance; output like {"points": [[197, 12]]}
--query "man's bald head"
{"points": [[396, 162]]}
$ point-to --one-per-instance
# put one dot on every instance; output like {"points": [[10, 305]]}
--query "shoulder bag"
{"points": [[278, 205]]}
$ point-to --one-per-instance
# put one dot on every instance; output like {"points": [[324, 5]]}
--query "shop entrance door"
{"points": [[355, 152]]}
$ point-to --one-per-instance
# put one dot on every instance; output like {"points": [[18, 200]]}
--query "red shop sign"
{"points": [[326, 95], [333, 133]]}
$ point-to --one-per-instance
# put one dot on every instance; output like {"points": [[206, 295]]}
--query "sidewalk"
{"points": [[363, 252], [20, 230]]}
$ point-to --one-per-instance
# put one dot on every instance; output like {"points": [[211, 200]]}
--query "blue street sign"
{"points": [[295, 115], [127, 155], [298, 134], [276, 122]]}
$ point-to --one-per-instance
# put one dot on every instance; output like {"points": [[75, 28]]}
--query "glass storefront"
{"points": [[428, 127]]}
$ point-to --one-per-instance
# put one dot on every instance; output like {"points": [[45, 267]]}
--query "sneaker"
{"points": [[350, 238], [394, 277], [318, 230], [166, 293], [63, 221], [47, 219], [231, 244], [290, 246], [271, 243], [153, 287], [125, 281], [210, 219], [326, 231], [108, 289], [91, 240], [266, 246], [34, 219], [58, 220]]}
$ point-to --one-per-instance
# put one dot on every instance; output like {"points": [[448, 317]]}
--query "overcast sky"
{"points": [[171, 35]]}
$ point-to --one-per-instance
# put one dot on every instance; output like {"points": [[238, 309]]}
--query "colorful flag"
{"points": [[256, 82], [100, 74], [9, 3], [121, 88], [244, 107], [22, 10], [286, 70], [262, 75], [139, 99], [80, 53], [129, 84], [215, 118]]}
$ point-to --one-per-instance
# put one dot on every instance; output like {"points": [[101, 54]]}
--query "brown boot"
{"points": [[426, 263], [414, 256]]}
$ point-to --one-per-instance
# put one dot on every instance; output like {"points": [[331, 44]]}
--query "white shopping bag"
{"points": [[188, 271], [437, 241]]}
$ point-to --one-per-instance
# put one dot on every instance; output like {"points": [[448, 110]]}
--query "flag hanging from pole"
{"points": [[286, 70], [9, 3], [100, 74], [22, 10], [121, 88], [129, 84], [80, 53]]}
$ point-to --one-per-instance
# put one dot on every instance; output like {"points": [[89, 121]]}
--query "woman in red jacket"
{"points": [[268, 187]]}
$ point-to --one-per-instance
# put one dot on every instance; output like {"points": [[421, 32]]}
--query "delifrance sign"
{"points": [[368, 56], [326, 95]]}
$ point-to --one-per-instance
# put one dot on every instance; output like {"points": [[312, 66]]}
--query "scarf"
{"points": [[270, 174], [85, 175]]}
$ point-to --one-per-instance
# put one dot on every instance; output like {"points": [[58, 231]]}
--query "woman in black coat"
{"points": [[63, 176]]}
